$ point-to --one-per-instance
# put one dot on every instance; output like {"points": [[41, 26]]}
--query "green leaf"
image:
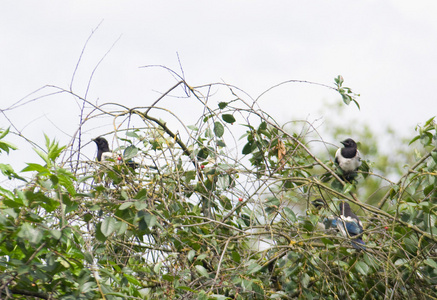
{"points": [[253, 268], [219, 130], [66, 180], [228, 118], [186, 288], [305, 280], [414, 139], [108, 226], [132, 279], [347, 188], [191, 255], [4, 133], [248, 148], [339, 80], [203, 154], [430, 262], [32, 234], [434, 155], [150, 220], [6, 146], [193, 127], [327, 241], [289, 213], [222, 105], [202, 296], [122, 228], [223, 182], [168, 277], [157, 267], [201, 270], [140, 205], [36, 167], [273, 201], [202, 257], [8, 171], [56, 233], [336, 185], [236, 256], [220, 143], [130, 152], [401, 262], [125, 205], [132, 134], [362, 267]]}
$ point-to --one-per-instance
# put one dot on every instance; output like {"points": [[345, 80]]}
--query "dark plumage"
{"points": [[104, 153], [318, 203], [102, 147], [348, 159], [348, 224]]}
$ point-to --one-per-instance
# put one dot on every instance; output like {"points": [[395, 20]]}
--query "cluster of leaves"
{"points": [[204, 219]]}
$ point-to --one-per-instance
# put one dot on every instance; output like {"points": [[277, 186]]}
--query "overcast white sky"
{"points": [[385, 50]]}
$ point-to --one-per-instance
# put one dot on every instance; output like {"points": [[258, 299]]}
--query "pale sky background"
{"points": [[385, 50]]}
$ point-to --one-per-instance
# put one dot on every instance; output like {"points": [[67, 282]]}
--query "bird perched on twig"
{"points": [[348, 224], [348, 159], [104, 153]]}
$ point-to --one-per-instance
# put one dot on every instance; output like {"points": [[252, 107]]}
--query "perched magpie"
{"points": [[316, 206], [318, 203], [348, 224], [104, 153], [348, 159]]}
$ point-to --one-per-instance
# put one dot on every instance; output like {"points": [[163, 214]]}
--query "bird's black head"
{"points": [[349, 143], [318, 203], [345, 208], [101, 143]]}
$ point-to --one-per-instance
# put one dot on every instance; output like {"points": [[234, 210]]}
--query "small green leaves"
{"points": [[8, 171], [346, 93], [427, 134], [4, 145]]}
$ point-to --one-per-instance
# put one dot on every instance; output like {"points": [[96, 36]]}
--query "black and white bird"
{"points": [[104, 153], [348, 159], [348, 224]]}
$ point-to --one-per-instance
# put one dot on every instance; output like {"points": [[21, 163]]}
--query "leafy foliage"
{"points": [[207, 216]]}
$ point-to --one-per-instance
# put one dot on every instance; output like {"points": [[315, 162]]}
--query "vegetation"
{"points": [[219, 209]]}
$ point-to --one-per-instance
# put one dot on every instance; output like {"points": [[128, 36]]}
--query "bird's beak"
{"points": [[342, 143]]}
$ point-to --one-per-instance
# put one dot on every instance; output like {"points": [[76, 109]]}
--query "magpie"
{"points": [[318, 203], [316, 206], [348, 224], [348, 159], [104, 153]]}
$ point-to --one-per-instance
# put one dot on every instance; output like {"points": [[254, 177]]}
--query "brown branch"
{"points": [[28, 293], [411, 170]]}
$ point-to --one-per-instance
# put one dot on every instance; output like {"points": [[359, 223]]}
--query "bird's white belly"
{"points": [[349, 164]]}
